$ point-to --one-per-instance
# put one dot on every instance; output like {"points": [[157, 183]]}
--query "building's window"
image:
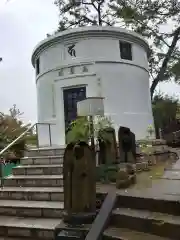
{"points": [[125, 50], [37, 67]]}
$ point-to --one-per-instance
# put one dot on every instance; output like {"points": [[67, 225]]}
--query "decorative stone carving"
{"points": [[61, 73], [107, 169], [85, 69], [71, 50], [79, 182], [108, 147], [72, 70], [68, 165], [127, 145]]}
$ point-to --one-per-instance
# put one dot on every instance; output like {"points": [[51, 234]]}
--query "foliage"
{"points": [[10, 128], [80, 128], [31, 139], [158, 21], [83, 13], [164, 110], [100, 124]]}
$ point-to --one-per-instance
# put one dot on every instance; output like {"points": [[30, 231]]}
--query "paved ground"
{"points": [[157, 183]]}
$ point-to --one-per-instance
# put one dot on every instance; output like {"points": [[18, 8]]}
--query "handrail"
{"points": [[13, 142], [17, 139], [101, 220]]}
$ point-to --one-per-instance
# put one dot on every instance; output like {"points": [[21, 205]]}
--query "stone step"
{"points": [[32, 193], [164, 204], [34, 181], [42, 209], [38, 169], [35, 228], [47, 160], [44, 152], [159, 224], [14, 238], [127, 234]]}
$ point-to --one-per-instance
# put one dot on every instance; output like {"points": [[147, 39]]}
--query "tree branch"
{"points": [[165, 62], [155, 33]]}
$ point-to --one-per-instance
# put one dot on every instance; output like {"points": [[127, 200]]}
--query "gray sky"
{"points": [[23, 24]]}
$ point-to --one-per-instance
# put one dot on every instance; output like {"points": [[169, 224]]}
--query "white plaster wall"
{"points": [[45, 96], [127, 97], [89, 50], [123, 83]]}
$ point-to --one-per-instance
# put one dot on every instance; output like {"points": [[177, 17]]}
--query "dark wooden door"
{"points": [[71, 97]]}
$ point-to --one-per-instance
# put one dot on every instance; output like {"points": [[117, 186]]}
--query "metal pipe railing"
{"points": [[16, 140]]}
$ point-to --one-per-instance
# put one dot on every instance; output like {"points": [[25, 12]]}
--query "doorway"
{"points": [[71, 97]]}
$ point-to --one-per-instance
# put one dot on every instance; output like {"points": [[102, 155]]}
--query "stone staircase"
{"points": [[145, 217], [31, 200], [31, 205]]}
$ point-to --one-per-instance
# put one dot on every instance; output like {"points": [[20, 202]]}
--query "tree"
{"points": [[78, 13], [165, 110], [10, 128], [146, 17]]}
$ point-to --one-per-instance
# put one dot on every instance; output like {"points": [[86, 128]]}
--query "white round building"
{"points": [[93, 61]]}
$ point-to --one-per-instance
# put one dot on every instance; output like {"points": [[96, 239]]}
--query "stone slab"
{"points": [[12, 226], [38, 169], [164, 225], [31, 208], [45, 152], [128, 234], [45, 160], [32, 193], [34, 180]]}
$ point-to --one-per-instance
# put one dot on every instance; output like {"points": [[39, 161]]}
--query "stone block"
{"points": [[52, 213], [42, 196], [42, 182], [34, 171], [131, 168], [152, 159], [45, 234], [139, 167], [19, 171], [145, 166], [31, 212], [8, 211], [44, 152], [20, 232], [122, 179], [57, 196], [132, 178], [26, 161]]}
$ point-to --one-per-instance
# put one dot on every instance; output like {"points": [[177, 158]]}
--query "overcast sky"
{"points": [[23, 23]]}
